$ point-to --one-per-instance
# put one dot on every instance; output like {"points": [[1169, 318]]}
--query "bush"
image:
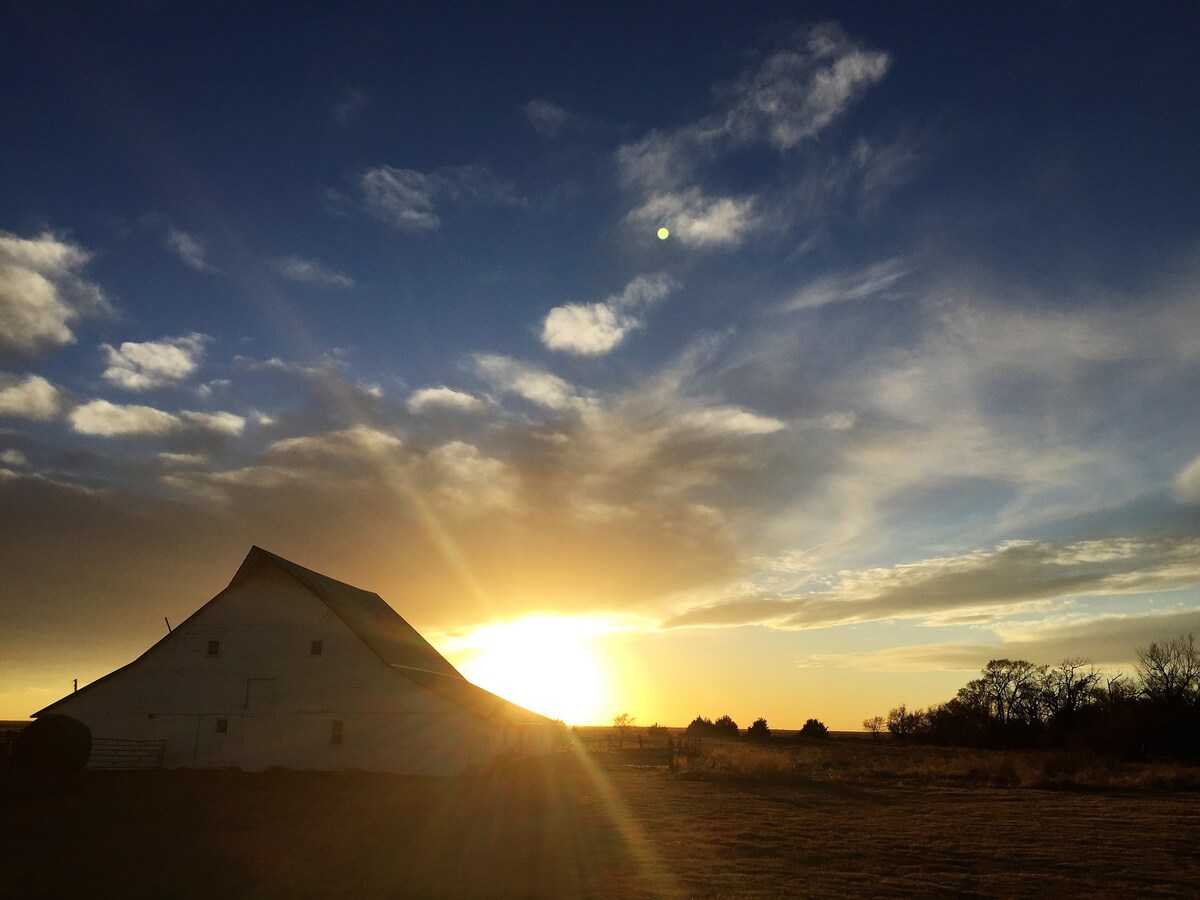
{"points": [[758, 730], [814, 728], [725, 727]]}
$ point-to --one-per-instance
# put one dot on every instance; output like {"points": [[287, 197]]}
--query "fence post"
{"points": [[670, 753]]}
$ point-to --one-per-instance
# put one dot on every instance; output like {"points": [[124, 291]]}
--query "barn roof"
{"points": [[383, 630], [380, 626]]}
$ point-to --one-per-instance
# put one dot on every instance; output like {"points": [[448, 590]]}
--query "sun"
{"points": [[545, 663]]}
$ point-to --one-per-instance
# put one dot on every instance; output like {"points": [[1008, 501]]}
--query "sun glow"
{"points": [[545, 663]]}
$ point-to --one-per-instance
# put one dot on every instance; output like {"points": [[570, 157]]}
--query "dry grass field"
{"points": [[568, 828]]}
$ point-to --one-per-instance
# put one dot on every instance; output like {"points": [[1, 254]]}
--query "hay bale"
{"points": [[52, 745]]}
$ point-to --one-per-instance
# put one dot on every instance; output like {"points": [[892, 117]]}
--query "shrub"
{"points": [[725, 727], [814, 728], [759, 729]]}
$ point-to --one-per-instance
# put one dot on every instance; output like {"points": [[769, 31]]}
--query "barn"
{"points": [[287, 667]]}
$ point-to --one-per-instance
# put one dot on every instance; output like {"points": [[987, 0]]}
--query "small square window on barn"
{"points": [[316, 648], [222, 726], [335, 732], [214, 648]]}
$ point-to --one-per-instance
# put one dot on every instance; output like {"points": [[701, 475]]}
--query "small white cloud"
{"points": [[593, 329], [548, 119], [104, 419], [696, 220], [443, 398], [223, 422], [13, 458], [535, 385], [189, 249], [153, 364], [731, 420], [1187, 483], [30, 398], [405, 197], [309, 271], [41, 293], [99, 417]]}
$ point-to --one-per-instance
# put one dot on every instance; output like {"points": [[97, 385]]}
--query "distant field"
{"points": [[570, 828]]}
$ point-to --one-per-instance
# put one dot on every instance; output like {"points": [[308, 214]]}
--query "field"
{"points": [[739, 822]]}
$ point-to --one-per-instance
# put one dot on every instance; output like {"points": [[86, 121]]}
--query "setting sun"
{"points": [[544, 663]]}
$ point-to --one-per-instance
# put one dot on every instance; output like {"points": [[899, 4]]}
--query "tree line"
{"points": [[1073, 705]]}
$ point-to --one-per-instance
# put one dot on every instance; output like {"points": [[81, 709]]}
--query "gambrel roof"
{"points": [[385, 632]]}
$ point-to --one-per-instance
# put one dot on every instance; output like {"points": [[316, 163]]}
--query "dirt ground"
{"points": [[572, 829]]}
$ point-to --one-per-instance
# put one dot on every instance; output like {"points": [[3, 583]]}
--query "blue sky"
{"points": [[912, 382]]}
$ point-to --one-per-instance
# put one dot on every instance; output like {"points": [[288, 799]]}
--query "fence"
{"points": [[640, 748], [111, 754]]}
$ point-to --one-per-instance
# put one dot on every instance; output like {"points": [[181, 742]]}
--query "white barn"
{"points": [[287, 667]]}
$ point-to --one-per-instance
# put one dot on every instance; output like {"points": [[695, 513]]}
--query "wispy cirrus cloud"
{"points": [[408, 198], [529, 382], [349, 105], [310, 271], [793, 95], [550, 120], [42, 293], [593, 329], [974, 587], [188, 248], [876, 280], [142, 366]]}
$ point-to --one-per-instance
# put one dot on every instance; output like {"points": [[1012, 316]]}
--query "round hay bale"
{"points": [[52, 745]]}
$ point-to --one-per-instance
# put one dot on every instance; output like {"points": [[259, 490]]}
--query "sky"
{"points": [[909, 382]]}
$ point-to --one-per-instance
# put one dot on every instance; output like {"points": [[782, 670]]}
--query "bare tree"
{"points": [[874, 725], [623, 723], [1068, 687], [1170, 670]]}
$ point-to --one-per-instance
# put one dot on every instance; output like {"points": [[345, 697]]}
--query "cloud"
{"points": [[594, 329], [534, 384], [406, 197], [105, 419], [548, 119], [42, 293], [697, 220], [13, 458], [471, 482], [876, 280], [1187, 483], [791, 97], [99, 417], [30, 398], [191, 250], [308, 271], [427, 399], [798, 92], [222, 422], [349, 106], [730, 420], [153, 364], [355, 442], [1107, 640], [979, 586]]}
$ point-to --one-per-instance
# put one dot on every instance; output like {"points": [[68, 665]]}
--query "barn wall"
{"points": [[278, 702]]}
